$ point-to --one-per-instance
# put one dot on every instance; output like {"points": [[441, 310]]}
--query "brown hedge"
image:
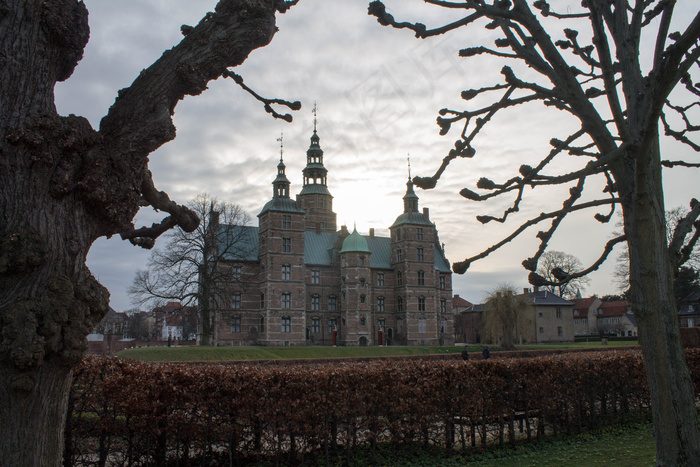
{"points": [[135, 413]]}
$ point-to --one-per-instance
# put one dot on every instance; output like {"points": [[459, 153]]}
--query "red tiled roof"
{"points": [[458, 301], [617, 308]]}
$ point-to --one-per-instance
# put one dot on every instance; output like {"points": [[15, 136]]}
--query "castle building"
{"points": [[306, 282]]}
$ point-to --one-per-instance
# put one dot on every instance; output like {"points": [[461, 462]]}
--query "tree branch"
{"points": [[462, 266], [180, 216], [564, 277], [676, 250]]}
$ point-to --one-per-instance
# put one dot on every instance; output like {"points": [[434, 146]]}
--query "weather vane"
{"points": [[281, 140], [314, 111]]}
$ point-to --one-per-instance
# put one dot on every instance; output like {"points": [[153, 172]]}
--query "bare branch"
{"points": [[179, 215], [679, 253], [296, 105], [462, 266], [536, 279]]}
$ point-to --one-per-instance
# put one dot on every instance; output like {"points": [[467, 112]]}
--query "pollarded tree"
{"points": [[558, 268], [198, 268], [63, 184], [620, 96]]}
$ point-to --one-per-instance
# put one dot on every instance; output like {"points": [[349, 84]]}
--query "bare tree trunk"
{"points": [[32, 422], [63, 185], [676, 427]]}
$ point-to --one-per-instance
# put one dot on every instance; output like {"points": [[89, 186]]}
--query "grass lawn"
{"points": [[189, 354], [619, 446], [257, 353]]}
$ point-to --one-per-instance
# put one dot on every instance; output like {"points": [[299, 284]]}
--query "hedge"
{"points": [[135, 413]]}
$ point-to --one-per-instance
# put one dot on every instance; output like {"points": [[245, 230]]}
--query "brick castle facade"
{"points": [[301, 281]]}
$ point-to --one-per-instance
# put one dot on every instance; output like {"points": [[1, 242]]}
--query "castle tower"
{"points": [[355, 289], [281, 256], [314, 198], [413, 239]]}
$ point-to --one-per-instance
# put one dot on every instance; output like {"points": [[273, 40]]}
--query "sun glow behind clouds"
{"points": [[378, 90]]}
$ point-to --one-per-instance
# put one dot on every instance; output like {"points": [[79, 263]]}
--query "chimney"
{"points": [[426, 214], [371, 232], [526, 290]]}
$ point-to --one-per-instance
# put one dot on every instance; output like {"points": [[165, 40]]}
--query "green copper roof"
{"points": [[315, 188], [281, 205], [355, 243], [414, 217]]}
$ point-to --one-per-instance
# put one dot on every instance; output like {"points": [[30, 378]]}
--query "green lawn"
{"points": [[621, 446], [189, 354], [257, 353]]}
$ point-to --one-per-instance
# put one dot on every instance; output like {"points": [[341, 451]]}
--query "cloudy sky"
{"points": [[378, 91]]}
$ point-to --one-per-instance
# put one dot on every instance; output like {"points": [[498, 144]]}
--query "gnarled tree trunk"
{"points": [[64, 184]]}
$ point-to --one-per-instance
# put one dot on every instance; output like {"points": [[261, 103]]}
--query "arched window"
{"points": [[286, 324], [399, 304], [286, 300], [380, 304]]}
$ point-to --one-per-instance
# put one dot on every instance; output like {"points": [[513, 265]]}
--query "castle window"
{"points": [[421, 325], [236, 301], [421, 303], [363, 322], [380, 304], [443, 325], [286, 324], [443, 306], [362, 282], [399, 304], [286, 300], [286, 221], [262, 300], [332, 301], [316, 276], [315, 325], [362, 260], [442, 282], [399, 278], [236, 324], [286, 272], [419, 234], [262, 323], [286, 245], [315, 303], [380, 279], [236, 273], [331, 325], [419, 254], [362, 299], [421, 277], [399, 255], [381, 323]]}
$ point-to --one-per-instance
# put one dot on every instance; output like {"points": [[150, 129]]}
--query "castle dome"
{"points": [[354, 243]]}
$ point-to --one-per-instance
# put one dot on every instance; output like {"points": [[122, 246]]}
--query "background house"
{"points": [[595, 317]]}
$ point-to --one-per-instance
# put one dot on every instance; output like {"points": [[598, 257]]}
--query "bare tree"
{"points": [[558, 268], [198, 268], [621, 274], [504, 312], [64, 184], [620, 95]]}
